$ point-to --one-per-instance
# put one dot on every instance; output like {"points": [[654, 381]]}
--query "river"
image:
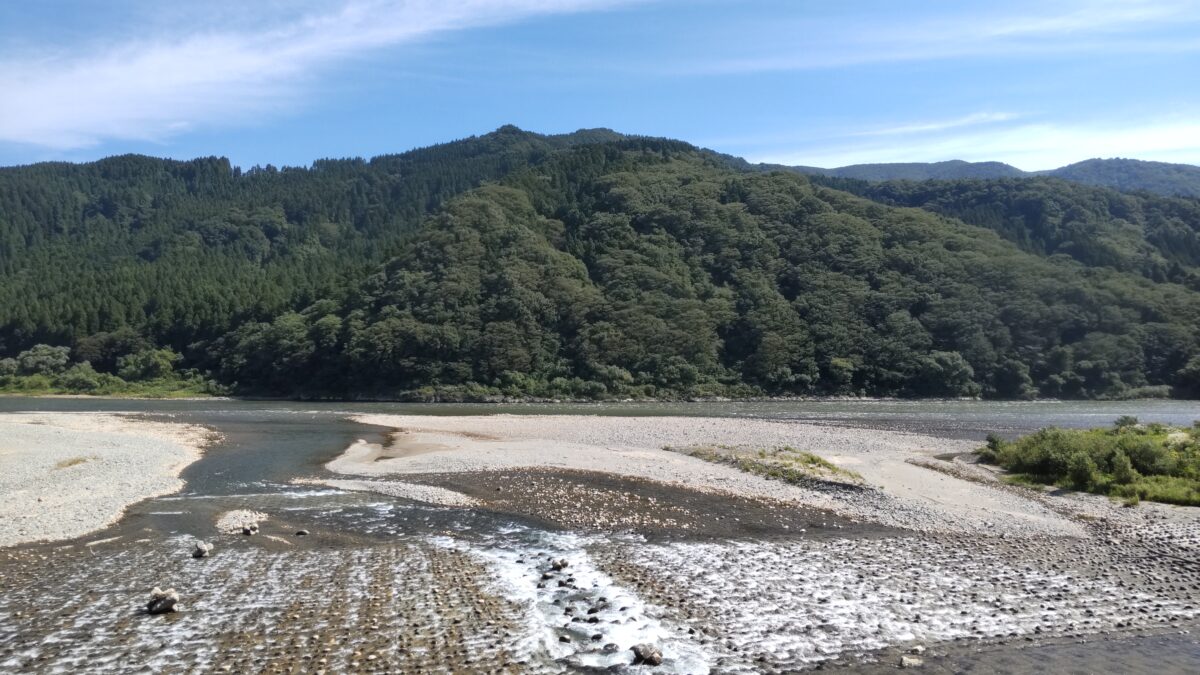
{"points": [[379, 575]]}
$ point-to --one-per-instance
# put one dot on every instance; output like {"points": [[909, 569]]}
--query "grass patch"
{"points": [[1128, 461], [783, 463]]}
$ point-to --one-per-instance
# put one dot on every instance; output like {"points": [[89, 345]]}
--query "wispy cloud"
{"points": [[972, 120], [194, 71], [1110, 16], [1009, 30], [1029, 146], [850, 135]]}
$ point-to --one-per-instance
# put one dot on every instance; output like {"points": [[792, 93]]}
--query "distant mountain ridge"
{"points": [[1129, 175]]}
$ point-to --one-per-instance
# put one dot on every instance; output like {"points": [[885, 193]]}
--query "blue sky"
{"points": [[1036, 84]]}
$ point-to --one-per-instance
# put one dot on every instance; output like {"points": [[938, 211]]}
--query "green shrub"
{"points": [[80, 377], [1083, 472], [1149, 391], [1122, 469], [1147, 455], [33, 383], [148, 364], [1134, 463], [1125, 422], [991, 452]]}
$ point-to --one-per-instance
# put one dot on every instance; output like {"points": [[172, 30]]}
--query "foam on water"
{"points": [[577, 615]]}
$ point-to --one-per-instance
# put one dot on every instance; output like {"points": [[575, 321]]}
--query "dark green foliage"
{"points": [[82, 378], [991, 451], [1125, 422], [1129, 460], [1129, 175], [951, 170], [1122, 469], [1156, 237], [1187, 379], [147, 364], [43, 360], [586, 266], [103, 350], [1132, 174]]}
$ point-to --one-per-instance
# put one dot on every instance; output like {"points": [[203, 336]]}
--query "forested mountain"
{"points": [[953, 169], [1134, 174], [1156, 237], [586, 265], [1129, 175]]}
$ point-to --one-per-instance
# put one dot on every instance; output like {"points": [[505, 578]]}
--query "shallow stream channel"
{"points": [[340, 581]]}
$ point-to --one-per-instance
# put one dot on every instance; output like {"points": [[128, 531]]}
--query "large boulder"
{"points": [[202, 550], [647, 655], [162, 602]]}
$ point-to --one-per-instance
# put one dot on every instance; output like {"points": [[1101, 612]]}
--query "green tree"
{"points": [[149, 364], [80, 377], [1122, 469], [43, 360]]}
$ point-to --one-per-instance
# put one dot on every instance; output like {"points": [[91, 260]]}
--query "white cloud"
{"points": [[217, 71], [974, 119], [809, 136], [1006, 30], [1113, 15], [1032, 146]]}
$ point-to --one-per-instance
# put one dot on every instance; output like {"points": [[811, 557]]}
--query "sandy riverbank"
{"points": [[902, 494], [63, 475]]}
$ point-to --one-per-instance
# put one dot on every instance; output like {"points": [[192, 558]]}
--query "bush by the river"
{"points": [[144, 372], [1129, 460]]}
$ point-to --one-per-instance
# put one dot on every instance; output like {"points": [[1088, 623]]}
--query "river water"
{"points": [[438, 563]]}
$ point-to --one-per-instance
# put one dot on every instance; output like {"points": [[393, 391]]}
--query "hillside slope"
{"points": [[1134, 175], [949, 170], [1127, 175], [624, 267], [1156, 237]]}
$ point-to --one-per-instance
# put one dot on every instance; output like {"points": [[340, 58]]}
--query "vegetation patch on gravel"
{"points": [[783, 463], [1129, 460]]}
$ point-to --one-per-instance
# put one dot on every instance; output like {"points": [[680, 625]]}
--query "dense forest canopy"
{"points": [[589, 265], [1132, 175], [1156, 237]]}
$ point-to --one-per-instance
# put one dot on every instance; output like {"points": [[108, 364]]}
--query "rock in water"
{"points": [[301, 533], [647, 655], [249, 529], [203, 549], [162, 602], [907, 661], [559, 565]]}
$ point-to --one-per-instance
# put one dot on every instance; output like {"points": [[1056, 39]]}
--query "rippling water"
{"points": [[421, 586]]}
